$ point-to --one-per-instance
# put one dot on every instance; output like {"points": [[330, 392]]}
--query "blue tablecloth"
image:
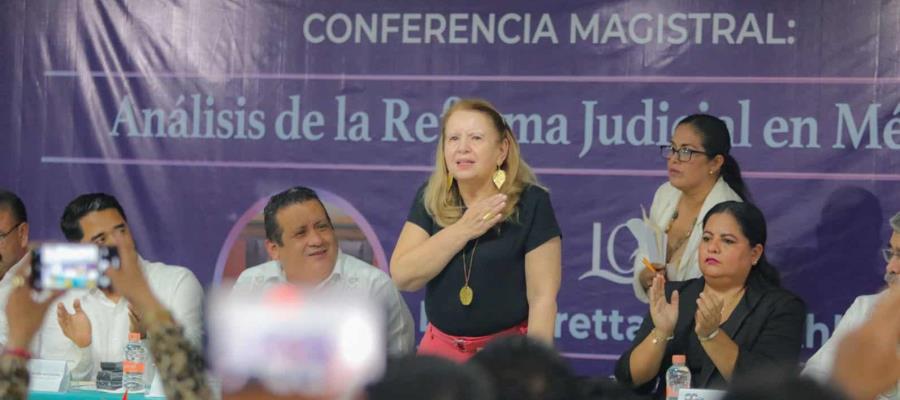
{"points": [[85, 394]]}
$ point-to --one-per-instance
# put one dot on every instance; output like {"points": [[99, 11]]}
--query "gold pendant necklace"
{"points": [[466, 294]]}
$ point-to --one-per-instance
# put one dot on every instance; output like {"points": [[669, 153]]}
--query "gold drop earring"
{"points": [[499, 177]]}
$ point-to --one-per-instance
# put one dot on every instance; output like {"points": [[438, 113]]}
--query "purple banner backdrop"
{"points": [[192, 113]]}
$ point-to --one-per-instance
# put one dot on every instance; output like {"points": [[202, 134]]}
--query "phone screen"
{"points": [[72, 266]]}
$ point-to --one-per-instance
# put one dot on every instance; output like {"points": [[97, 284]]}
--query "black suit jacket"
{"points": [[767, 325]]}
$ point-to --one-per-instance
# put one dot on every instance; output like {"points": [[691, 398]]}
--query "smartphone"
{"points": [[72, 266]]}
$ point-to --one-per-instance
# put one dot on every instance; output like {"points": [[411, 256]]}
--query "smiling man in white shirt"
{"points": [[100, 320], [300, 240]]}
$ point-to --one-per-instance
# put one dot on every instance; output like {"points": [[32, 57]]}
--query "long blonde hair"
{"points": [[442, 199]]}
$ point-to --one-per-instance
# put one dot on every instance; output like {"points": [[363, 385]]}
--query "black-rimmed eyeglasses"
{"points": [[7, 233], [684, 153]]}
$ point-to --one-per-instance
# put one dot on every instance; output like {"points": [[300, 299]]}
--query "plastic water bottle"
{"points": [[678, 377], [133, 367]]}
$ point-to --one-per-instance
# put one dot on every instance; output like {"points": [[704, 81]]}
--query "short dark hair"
{"points": [[294, 195], [84, 205], [429, 377], [9, 201], [524, 369], [602, 388]]}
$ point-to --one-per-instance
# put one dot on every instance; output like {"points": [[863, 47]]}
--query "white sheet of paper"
{"points": [[700, 394], [48, 375], [156, 388], [651, 241]]}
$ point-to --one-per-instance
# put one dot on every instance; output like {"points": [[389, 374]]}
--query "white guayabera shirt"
{"points": [[176, 288], [350, 274]]}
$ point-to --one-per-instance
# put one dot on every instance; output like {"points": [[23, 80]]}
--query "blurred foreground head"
{"points": [[292, 343], [427, 377], [522, 368], [781, 385]]}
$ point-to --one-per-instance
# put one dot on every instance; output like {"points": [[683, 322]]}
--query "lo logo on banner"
{"points": [[615, 273]]}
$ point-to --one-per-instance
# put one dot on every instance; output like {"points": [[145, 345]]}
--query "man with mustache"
{"points": [[302, 244], [13, 247], [821, 364]]}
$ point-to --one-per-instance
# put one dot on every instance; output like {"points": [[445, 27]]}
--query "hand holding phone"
{"points": [[24, 313]]}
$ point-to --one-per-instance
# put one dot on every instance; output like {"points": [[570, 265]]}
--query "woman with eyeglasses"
{"points": [[702, 174]]}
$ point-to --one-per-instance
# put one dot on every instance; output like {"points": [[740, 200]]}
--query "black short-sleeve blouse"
{"points": [[498, 273]]}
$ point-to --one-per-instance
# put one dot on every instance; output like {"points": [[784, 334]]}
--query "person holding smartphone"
{"points": [[179, 362]]}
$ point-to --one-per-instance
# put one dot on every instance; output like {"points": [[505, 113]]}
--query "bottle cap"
{"points": [[678, 359], [134, 336]]}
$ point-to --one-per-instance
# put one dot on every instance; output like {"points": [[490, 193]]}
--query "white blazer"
{"points": [[665, 202]]}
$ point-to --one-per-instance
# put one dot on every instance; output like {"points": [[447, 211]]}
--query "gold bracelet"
{"points": [[710, 337], [657, 339]]}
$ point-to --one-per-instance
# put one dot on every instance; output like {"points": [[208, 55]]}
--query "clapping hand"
{"points": [[76, 326], [709, 314], [664, 313]]}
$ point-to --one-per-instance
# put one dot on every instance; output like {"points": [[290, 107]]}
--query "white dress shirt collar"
{"points": [[335, 276]]}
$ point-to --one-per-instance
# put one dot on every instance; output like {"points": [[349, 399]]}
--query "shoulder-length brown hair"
{"points": [[442, 199]]}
